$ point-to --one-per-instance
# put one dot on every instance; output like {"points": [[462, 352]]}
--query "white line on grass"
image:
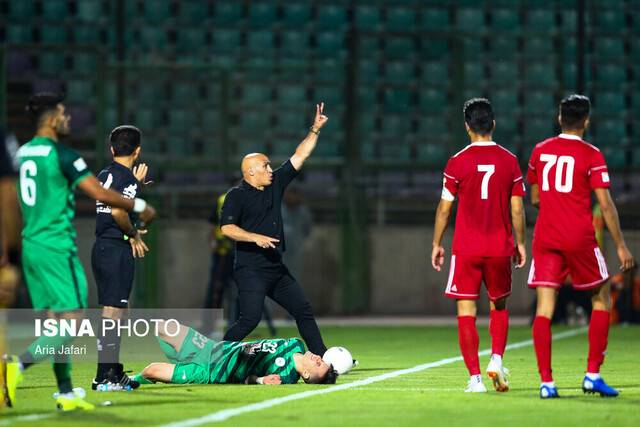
{"points": [[225, 414]]}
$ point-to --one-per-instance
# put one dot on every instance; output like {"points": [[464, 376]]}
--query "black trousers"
{"points": [[279, 285]]}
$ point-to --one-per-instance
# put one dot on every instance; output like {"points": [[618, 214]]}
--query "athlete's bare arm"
{"points": [[443, 213], [610, 215]]}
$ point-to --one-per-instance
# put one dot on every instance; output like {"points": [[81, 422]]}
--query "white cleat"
{"points": [[475, 385], [498, 375]]}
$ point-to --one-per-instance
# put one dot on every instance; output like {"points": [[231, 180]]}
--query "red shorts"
{"points": [[467, 273], [550, 268]]}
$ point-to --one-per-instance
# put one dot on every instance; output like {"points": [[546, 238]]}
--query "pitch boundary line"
{"points": [[226, 414]]}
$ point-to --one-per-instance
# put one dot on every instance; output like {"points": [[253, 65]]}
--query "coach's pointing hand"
{"points": [[264, 241]]}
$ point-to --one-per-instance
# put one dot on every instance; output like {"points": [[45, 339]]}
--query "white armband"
{"points": [[139, 205]]}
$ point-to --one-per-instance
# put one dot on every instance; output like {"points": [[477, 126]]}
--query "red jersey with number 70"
{"points": [[483, 176], [566, 170]]}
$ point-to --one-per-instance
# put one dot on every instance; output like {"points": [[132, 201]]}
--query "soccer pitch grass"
{"points": [[432, 396]]}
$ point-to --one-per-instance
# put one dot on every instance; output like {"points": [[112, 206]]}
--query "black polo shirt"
{"points": [[121, 179], [259, 212]]}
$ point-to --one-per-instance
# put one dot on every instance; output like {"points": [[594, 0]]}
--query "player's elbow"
{"points": [[151, 372]]}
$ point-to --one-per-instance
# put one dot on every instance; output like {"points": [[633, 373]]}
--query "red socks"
{"points": [[469, 342], [598, 335], [542, 344], [499, 329]]}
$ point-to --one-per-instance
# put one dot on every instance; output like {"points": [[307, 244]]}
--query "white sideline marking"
{"points": [[32, 417], [225, 414]]}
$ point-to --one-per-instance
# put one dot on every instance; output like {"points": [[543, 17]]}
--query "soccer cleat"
{"points": [[498, 375], [475, 386], [12, 377], [548, 392], [72, 401], [115, 380], [598, 386]]}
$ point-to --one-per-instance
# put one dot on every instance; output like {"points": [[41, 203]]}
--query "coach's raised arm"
{"points": [[308, 144]]}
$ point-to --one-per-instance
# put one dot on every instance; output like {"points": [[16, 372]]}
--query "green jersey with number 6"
{"points": [[49, 173]]}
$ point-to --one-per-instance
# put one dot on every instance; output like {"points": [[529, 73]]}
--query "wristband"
{"points": [[259, 380], [139, 205], [317, 132]]}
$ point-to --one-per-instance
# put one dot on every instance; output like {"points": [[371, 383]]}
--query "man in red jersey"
{"points": [[487, 180], [562, 172]]}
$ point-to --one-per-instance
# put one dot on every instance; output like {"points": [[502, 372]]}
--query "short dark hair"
{"points": [[330, 377], [43, 103], [124, 140], [574, 110], [478, 114]]}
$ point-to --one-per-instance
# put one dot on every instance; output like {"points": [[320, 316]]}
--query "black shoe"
{"points": [[115, 380]]}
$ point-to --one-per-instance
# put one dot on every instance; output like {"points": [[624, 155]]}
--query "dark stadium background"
{"points": [[208, 81]]}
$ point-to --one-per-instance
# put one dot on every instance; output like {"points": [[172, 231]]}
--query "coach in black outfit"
{"points": [[251, 215]]}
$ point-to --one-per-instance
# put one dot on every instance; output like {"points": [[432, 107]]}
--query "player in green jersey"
{"points": [[49, 173], [195, 359]]}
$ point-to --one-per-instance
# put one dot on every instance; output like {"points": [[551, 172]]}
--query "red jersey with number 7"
{"points": [[484, 176], [566, 170]]}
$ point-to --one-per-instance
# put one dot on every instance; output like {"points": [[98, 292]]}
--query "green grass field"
{"points": [[429, 397]]}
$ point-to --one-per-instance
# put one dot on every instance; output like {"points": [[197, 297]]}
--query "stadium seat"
{"points": [[609, 103], [227, 12], [610, 20], [434, 73], [85, 63], [181, 122], [330, 95], [295, 13], [434, 19], [472, 48], [111, 93], [225, 41], [540, 74], [152, 38], [293, 95], [635, 160], [255, 94], [504, 73], [21, 11], [55, 10], [536, 130], [434, 48], [330, 44], [400, 19], [292, 122], [433, 154], [260, 42], [329, 70], [367, 17], [261, 15], [399, 47], [149, 93], [612, 75], [157, 11], [19, 34], [51, 63], [191, 41], [610, 132], [502, 46], [540, 20], [90, 11], [79, 91], [541, 103], [397, 100], [471, 20], [331, 17], [432, 101], [609, 47], [399, 72], [369, 71], [474, 74], [505, 102], [538, 46], [569, 21], [185, 93], [395, 150], [395, 127], [294, 43], [506, 132], [253, 123], [616, 157], [111, 119], [53, 34], [211, 121], [87, 34], [193, 12], [505, 21]]}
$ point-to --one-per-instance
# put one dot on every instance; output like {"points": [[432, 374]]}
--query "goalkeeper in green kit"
{"points": [[196, 359], [49, 174]]}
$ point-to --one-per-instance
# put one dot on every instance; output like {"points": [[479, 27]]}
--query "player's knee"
{"points": [[500, 304]]}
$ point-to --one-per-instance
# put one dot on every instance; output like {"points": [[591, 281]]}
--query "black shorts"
{"points": [[113, 268]]}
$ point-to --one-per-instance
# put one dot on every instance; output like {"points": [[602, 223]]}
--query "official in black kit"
{"points": [[251, 215], [117, 243]]}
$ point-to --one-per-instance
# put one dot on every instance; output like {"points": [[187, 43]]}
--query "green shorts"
{"points": [[55, 279], [193, 360]]}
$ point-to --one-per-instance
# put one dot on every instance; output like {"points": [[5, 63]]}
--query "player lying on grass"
{"points": [[195, 359]]}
